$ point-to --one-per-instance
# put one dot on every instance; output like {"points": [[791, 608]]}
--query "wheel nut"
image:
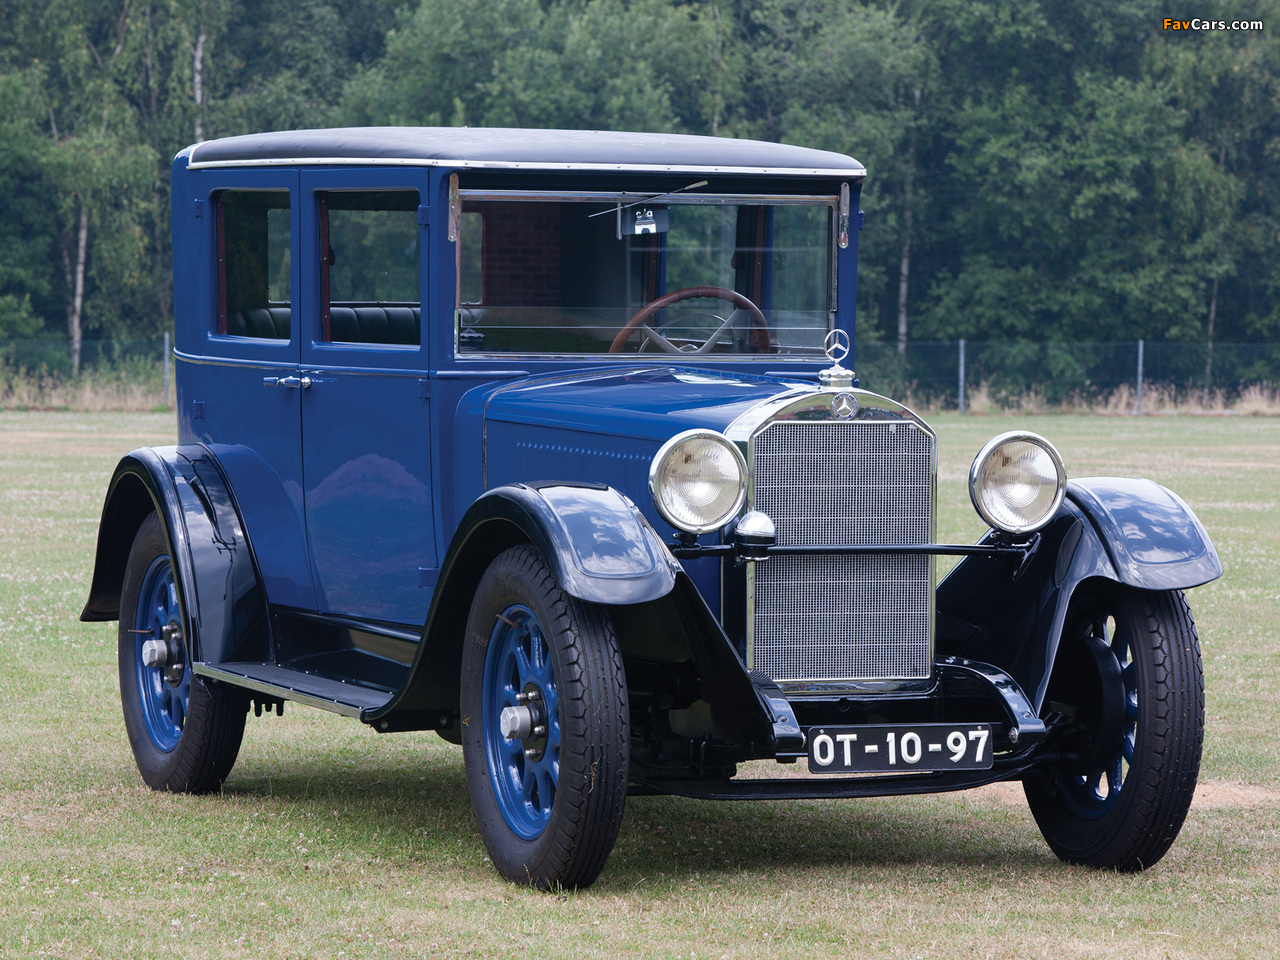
{"points": [[515, 723], [155, 653]]}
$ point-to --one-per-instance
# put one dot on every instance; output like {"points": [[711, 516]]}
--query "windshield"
{"points": [[710, 275]]}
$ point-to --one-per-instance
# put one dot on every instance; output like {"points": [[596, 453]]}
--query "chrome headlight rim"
{"points": [[977, 475], [657, 491]]}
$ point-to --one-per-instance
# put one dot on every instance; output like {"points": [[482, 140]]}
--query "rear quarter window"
{"points": [[255, 298]]}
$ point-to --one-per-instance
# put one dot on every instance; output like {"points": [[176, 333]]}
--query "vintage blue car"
{"points": [[542, 440]]}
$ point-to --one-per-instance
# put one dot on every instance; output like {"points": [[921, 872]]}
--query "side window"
{"points": [[253, 236], [370, 265]]}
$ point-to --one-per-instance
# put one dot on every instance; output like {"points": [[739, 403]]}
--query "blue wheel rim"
{"points": [[524, 773], [164, 704], [1092, 794]]}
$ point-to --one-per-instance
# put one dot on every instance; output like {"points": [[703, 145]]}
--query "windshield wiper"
{"points": [[648, 199]]}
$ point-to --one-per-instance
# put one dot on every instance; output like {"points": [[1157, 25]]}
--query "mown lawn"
{"points": [[331, 841]]}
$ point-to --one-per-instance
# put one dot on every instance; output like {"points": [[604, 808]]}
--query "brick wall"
{"points": [[522, 254]]}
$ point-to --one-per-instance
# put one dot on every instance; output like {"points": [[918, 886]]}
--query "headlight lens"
{"points": [[698, 481], [1017, 482]]}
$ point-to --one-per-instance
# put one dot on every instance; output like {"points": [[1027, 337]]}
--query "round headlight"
{"points": [[1017, 482], [698, 481]]}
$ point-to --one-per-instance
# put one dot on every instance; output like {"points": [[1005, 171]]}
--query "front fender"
{"points": [[1152, 537], [223, 602], [599, 545], [1133, 532]]}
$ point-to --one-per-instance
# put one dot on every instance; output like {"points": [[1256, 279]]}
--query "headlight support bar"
{"points": [[1022, 551]]}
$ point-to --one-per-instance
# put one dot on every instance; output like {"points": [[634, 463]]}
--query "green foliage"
{"points": [[602, 63], [25, 232], [1037, 169]]}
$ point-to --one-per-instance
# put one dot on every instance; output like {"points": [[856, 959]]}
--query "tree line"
{"points": [[1038, 169]]}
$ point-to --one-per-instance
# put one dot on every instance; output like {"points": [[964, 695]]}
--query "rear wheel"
{"points": [[1128, 678], [184, 735], [545, 725]]}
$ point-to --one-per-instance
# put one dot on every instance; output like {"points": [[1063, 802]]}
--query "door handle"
{"points": [[302, 382]]}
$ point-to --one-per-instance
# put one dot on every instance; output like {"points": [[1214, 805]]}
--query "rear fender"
{"points": [[224, 606]]}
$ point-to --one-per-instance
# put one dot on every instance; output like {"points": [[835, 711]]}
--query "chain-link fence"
{"points": [[946, 373]]}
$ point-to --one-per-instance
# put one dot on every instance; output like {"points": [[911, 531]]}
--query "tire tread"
{"points": [[213, 727], [1157, 792], [594, 734]]}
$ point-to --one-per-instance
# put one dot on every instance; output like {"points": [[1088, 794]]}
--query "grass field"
{"points": [[331, 841]]}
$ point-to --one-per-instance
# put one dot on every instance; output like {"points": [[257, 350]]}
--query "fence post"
{"points": [[166, 368], [960, 406], [1138, 412]]}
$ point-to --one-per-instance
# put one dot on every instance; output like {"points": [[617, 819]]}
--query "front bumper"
{"points": [[962, 690]]}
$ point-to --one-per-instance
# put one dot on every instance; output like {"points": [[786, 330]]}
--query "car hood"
{"points": [[647, 403]]}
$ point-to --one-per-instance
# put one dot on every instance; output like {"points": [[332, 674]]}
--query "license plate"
{"points": [[894, 748]]}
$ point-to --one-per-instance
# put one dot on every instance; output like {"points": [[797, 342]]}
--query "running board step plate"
{"points": [[336, 696]]}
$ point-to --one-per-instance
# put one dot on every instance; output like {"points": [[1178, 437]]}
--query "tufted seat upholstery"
{"points": [[268, 323], [374, 324], [346, 324]]}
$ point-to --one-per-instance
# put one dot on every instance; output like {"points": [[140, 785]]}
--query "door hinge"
{"points": [[424, 216]]}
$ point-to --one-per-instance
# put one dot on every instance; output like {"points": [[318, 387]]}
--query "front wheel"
{"points": [[1128, 680], [184, 735], [545, 725]]}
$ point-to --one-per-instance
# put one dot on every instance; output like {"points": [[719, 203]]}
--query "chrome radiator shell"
{"points": [[818, 622]]}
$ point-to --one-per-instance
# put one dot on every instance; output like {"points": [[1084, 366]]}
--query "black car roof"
{"points": [[496, 148]]}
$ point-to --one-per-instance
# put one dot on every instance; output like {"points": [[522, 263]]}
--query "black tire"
{"points": [[185, 735], [549, 798], [1128, 672]]}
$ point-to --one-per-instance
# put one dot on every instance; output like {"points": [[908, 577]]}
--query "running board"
{"points": [[335, 696]]}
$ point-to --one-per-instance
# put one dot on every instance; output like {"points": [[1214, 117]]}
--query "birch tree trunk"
{"points": [[75, 283], [1208, 360], [904, 274], [904, 268], [197, 82]]}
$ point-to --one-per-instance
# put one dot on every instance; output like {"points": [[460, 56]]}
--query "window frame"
{"points": [[221, 310], [319, 353]]}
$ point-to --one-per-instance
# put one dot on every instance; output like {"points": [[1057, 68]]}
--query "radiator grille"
{"points": [[843, 617]]}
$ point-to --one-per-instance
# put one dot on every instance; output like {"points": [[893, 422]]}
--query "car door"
{"points": [[366, 397], [237, 309]]}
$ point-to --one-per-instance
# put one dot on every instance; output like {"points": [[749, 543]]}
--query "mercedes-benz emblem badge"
{"points": [[836, 345], [844, 405]]}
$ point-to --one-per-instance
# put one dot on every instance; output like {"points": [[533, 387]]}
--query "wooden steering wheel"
{"points": [[758, 338]]}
